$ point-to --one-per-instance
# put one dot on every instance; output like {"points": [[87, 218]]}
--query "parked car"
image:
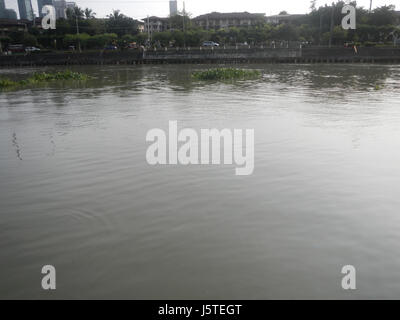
{"points": [[111, 47], [210, 44], [16, 48], [31, 49]]}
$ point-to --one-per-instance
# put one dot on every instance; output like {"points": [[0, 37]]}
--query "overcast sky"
{"points": [[141, 8]]}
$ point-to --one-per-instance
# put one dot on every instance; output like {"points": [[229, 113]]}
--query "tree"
{"points": [[313, 5], [381, 16], [75, 12], [177, 21], [120, 24], [89, 14]]}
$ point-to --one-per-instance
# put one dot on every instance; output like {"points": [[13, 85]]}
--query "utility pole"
{"points": [[331, 34], [370, 6], [77, 32], [184, 29], [148, 29], [320, 27]]}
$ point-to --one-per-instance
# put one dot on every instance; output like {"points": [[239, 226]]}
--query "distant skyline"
{"points": [[139, 9]]}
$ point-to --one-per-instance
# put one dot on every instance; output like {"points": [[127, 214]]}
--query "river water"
{"points": [[77, 193]]}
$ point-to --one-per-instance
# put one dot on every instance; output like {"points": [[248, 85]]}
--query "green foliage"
{"points": [[29, 40], [225, 74], [120, 24], [43, 77], [379, 26], [6, 83]]}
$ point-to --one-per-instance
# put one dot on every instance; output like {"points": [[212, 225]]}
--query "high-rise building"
{"points": [[173, 8], [42, 3], [3, 13], [61, 9], [11, 14], [71, 4], [7, 13], [25, 9]]}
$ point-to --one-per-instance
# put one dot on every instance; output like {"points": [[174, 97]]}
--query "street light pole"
{"points": [[331, 31], [184, 29], [77, 32]]}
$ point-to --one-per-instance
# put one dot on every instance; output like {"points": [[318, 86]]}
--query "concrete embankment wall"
{"points": [[220, 55]]}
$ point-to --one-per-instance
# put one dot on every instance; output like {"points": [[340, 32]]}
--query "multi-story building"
{"points": [[11, 14], [284, 18], [61, 9], [70, 4], [217, 20], [25, 10], [155, 24], [173, 8], [140, 25], [2, 9], [7, 13], [42, 3]]}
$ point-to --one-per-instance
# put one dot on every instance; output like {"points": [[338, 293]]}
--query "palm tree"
{"points": [[116, 15], [75, 12], [89, 14]]}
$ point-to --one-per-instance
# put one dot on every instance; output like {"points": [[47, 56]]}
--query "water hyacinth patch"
{"points": [[44, 77], [226, 74]]}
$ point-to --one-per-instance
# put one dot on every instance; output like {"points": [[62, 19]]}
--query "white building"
{"points": [[70, 4], [61, 9], [173, 8]]}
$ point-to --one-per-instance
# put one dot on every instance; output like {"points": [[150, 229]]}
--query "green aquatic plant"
{"points": [[7, 83], [225, 74], [43, 77]]}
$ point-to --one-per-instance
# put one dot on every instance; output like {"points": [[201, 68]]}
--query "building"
{"points": [[140, 25], [173, 8], [7, 13], [11, 14], [3, 14], [217, 20], [42, 3], [61, 9], [70, 4], [155, 24], [284, 18], [25, 10], [397, 17]]}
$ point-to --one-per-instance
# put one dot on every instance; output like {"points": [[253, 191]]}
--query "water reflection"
{"points": [[16, 145]]}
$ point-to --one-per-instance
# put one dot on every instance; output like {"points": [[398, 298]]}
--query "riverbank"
{"points": [[220, 55]]}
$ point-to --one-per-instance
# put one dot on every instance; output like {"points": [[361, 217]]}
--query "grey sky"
{"points": [[141, 8]]}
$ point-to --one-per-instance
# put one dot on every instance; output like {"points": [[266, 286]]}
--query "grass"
{"points": [[225, 74], [43, 77]]}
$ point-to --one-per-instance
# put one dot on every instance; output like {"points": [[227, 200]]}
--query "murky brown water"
{"points": [[76, 191]]}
